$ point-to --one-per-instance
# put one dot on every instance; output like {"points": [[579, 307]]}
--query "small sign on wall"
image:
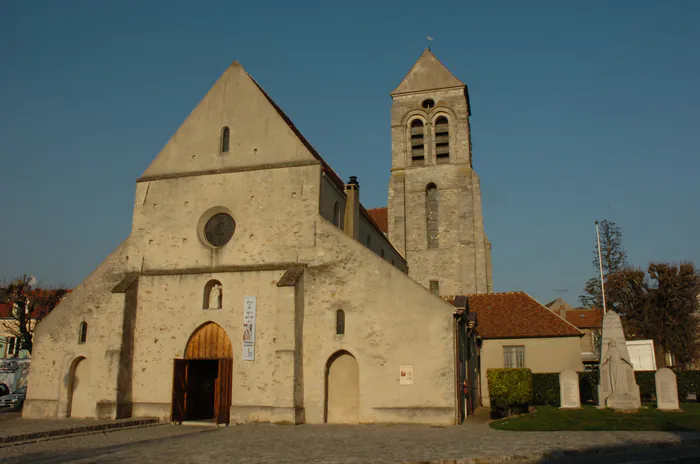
{"points": [[249, 303], [406, 375]]}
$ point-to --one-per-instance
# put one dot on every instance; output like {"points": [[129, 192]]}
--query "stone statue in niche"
{"points": [[617, 388], [215, 297]]}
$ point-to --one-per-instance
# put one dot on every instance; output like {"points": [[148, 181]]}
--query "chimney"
{"points": [[352, 208]]}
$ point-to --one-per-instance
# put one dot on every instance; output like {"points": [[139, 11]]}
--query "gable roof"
{"points": [[381, 217], [516, 315], [585, 318], [325, 167], [428, 73]]}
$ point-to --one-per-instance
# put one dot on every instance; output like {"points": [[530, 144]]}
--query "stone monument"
{"points": [[666, 390], [618, 388], [569, 389]]}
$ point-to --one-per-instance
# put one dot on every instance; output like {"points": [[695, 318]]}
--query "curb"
{"points": [[79, 429]]}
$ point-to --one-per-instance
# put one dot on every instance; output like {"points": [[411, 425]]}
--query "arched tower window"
{"points": [[340, 322], [82, 337], [431, 215], [442, 140], [417, 142], [336, 214], [225, 135]]}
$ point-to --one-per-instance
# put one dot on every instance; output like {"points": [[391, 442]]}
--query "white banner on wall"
{"points": [[249, 303]]}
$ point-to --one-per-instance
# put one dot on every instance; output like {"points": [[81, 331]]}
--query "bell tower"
{"points": [[434, 207]]}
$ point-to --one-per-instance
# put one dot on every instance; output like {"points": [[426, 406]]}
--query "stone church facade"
{"points": [[254, 286]]}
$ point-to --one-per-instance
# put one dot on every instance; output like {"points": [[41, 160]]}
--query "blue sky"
{"points": [[580, 111]]}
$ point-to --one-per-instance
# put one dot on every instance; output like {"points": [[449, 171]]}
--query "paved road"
{"points": [[257, 443]]}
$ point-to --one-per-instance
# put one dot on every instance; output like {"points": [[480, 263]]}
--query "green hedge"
{"points": [[545, 390], [545, 387], [510, 390]]}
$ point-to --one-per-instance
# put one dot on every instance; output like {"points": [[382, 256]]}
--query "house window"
{"points": [[83, 332], [442, 140], [225, 135], [12, 346], [431, 215], [336, 214], [340, 322], [417, 142], [514, 356], [435, 287]]}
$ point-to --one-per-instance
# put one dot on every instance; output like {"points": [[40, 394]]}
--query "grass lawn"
{"points": [[549, 418]]}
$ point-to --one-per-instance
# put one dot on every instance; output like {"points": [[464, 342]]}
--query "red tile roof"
{"points": [[515, 315], [5, 310], [585, 318], [381, 217]]}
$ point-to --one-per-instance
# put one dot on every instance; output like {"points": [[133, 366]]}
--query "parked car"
{"points": [[13, 401]]}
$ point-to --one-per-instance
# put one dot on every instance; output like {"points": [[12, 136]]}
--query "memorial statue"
{"points": [[215, 297], [617, 387], [616, 369]]}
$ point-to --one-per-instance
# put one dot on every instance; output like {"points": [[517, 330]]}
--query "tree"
{"points": [[660, 305], [614, 258], [29, 306]]}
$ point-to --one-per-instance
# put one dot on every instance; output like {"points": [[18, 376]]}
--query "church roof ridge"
{"points": [[324, 165]]}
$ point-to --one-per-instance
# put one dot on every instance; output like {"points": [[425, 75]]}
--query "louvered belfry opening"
{"points": [[431, 215], [442, 140], [417, 141]]}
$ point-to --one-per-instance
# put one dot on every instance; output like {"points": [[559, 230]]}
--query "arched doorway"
{"points": [[342, 389], [202, 381], [80, 402]]}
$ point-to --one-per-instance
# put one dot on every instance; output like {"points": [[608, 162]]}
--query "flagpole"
{"points": [[600, 263]]}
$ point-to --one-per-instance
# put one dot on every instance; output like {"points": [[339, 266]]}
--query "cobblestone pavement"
{"points": [[258, 443]]}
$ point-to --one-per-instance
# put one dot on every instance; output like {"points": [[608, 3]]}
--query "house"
{"points": [[254, 286], [515, 330], [589, 321]]}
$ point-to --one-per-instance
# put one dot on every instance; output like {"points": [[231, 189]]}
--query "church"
{"points": [[255, 287]]}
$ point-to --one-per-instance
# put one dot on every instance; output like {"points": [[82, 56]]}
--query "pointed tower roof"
{"points": [[427, 74]]}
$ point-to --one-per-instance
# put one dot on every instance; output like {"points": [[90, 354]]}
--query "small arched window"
{"points": [[442, 140], [417, 142], [82, 337], [431, 215], [336, 214], [340, 322], [225, 135]]}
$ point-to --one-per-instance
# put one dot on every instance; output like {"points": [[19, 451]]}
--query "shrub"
{"points": [[647, 385], [510, 390], [545, 390], [688, 382], [588, 385]]}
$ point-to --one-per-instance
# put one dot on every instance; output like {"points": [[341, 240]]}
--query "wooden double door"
{"points": [[202, 390], [203, 381]]}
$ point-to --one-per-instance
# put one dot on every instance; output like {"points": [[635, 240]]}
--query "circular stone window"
{"points": [[429, 103], [219, 229]]}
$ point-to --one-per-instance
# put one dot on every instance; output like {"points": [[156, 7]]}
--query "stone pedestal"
{"points": [[618, 387], [569, 389], [666, 390]]}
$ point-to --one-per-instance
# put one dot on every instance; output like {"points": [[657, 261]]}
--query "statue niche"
{"points": [[213, 295]]}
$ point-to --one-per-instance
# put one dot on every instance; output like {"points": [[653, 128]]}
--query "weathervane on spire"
{"points": [[430, 39]]}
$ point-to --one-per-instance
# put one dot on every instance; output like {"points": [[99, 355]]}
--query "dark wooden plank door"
{"points": [[179, 390], [222, 396]]}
